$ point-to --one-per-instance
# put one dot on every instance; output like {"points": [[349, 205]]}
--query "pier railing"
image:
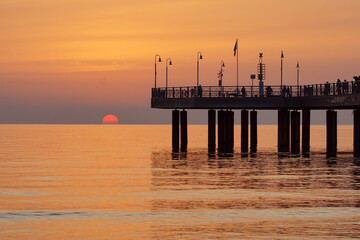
{"points": [[254, 91]]}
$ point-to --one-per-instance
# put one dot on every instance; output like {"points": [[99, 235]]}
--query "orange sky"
{"points": [[102, 51]]}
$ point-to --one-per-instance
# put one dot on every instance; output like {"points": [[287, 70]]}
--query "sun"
{"points": [[110, 119]]}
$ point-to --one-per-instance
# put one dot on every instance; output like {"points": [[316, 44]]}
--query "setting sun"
{"points": [[110, 119]]}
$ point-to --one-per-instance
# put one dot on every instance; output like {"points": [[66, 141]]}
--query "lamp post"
{"points": [[282, 57], [222, 64], [157, 55], [298, 76], [168, 62], [199, 56]]}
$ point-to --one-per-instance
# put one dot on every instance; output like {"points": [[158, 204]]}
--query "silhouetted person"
{"points": [[268, 91], [345, 87], [288, 92], [243, 91], [327, 88], [200, 91], [356, 85], [283, 91], [338, 87], [310, 90]]}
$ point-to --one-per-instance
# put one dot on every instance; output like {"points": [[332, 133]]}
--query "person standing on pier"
{"points": [[243, 92], [356, 85], [345, 87], [327, 88], [338, 86], [200, 91]]}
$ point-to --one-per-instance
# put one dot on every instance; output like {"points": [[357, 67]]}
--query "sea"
{"points": [[123, 182]]}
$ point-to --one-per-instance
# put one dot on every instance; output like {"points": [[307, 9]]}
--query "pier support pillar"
{"points": [[244, 131], [295, 132], [357, 133], [253, 131], [229, 128], [211, 131], [221, 132], [175, 131], [331, 133], [184, 131], [305, 145], [287, 130], [283, 130]]}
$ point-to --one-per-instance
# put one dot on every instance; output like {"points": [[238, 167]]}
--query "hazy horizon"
{"points": [[163, 117]]}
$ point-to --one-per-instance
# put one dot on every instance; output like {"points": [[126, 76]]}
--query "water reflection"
{"points": [[247, 193]]}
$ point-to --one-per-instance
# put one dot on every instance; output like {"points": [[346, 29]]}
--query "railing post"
{"points": [[173, 92], [210, 91], [180, 93], [334, 92]]}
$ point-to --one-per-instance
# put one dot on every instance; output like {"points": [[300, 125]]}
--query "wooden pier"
{"points": [[291, 102]]}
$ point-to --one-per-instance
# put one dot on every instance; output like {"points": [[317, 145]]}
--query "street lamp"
{"points": [[168, 62], [157, 55], [222, 64], [199, 56]]}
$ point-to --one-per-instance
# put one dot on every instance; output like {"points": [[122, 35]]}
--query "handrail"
{"points": [[324, 89]]}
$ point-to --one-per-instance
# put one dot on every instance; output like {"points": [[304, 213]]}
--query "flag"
{"points": [[235, 47]]}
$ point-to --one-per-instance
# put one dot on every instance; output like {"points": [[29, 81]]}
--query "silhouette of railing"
{"points": [[326, 89]]}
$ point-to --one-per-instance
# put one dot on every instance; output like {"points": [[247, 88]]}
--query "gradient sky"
{"points": [[75, 61]]}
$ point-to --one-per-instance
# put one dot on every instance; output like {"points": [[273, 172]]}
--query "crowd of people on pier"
{"points": [[337, 88]]}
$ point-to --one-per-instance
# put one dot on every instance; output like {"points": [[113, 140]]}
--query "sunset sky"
{"points": [[75, 61]]}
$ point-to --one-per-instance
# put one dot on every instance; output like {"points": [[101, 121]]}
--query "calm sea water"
{"points": [[122, 182]]}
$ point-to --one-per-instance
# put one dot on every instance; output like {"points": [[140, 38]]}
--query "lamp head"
{"points": [[170, 63], [201, 56], [282, 54], [159, 59], [223, 64]]}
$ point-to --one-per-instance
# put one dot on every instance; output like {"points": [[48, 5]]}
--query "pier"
{"points": [[293, 103]]}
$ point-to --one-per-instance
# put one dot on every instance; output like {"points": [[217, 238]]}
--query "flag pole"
{"points": [[237, 66]]}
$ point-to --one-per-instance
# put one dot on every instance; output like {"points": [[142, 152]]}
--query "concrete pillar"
{"points": [[287, 130], [253, 132], [295, 132], [184, 131], [244, 131], [175, 131], [229, 128], [280, 130], [357, 133], [305, 131], [211, 131], [331, 133], [283, 130], [221, 118]]}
